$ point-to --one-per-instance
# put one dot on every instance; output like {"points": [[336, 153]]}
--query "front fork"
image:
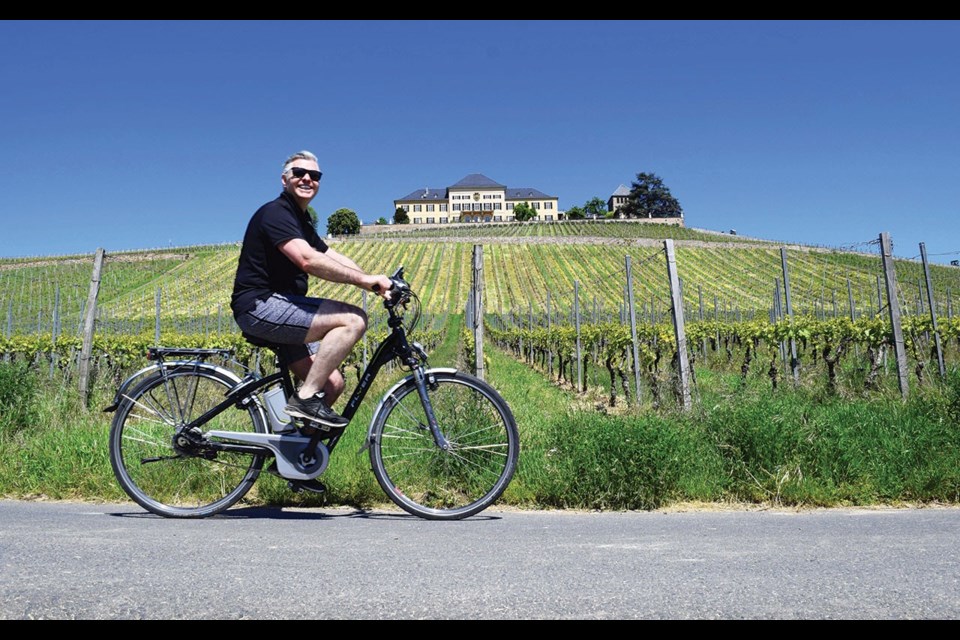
{"points": [[422, 381]]}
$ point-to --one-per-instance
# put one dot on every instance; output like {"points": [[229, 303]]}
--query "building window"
{"points": [[536, 205], [444, 220], [430, 207], [456, 207], [509, 206], [497, 206], [429, 220], [416, 221], [548, 205], [417, 207], [497, 218], [443, 207], [548, 218]]}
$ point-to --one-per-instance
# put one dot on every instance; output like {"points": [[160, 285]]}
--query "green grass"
{"points": [[741, 443]]}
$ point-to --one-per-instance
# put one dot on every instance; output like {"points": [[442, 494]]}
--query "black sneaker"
{"points": [[315, 410]]}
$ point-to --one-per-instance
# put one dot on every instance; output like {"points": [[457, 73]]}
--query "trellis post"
{"points": [[794, 363], [88, 326], [933, 312], [156, 317], [676, 311], [55, 333], [633, 330], [893, 304], [478, 308], [576, 316]]}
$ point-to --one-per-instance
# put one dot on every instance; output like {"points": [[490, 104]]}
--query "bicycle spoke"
{"points": [[484, 447], [465, 460], [407, 411], [152, 410], [147, 439], [397, 430]]}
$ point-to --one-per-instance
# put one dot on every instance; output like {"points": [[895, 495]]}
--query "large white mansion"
{"points": [[476, 198]]}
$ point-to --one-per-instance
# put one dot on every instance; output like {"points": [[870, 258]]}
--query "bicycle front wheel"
{"points": [[464, 479], [181, 479]]}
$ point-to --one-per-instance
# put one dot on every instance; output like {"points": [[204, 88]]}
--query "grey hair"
{"points": [[299, 155]]}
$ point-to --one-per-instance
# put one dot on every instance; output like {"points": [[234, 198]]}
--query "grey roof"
{"points": [[621, 191], [516, 193], [476, 180], [473, 181], [427, 194]]}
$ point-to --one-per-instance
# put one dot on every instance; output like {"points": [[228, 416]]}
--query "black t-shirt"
{"points": [[263, 269]]}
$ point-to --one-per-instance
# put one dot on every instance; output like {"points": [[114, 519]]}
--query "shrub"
{"points": [[18, 394]]}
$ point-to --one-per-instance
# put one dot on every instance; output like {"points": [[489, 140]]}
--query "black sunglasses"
{"points": [[299, 172]]}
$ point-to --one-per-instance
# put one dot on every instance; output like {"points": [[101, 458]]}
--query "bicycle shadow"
{"points": [[303, 513]]}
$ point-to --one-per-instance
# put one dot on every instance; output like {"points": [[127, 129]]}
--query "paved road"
{"points": [[91, 561]]}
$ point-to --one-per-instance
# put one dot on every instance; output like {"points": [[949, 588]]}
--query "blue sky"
{"points": [[129, 135]]}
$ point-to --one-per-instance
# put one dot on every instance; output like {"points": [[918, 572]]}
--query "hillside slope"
{"points": [[524, 265]]}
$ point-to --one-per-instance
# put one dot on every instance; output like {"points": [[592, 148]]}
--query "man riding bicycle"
{"points": [[281, 249]]}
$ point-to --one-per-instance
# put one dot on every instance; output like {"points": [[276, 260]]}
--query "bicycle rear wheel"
{"points": [[182, 479], [437, 484]]}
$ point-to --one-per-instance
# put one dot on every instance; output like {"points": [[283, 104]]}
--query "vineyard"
{"points": [[731, 290], [793, 374]]}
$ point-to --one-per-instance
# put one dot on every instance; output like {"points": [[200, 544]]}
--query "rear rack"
{"points": [[159, 353]]}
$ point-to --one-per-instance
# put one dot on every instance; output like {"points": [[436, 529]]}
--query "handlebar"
{"points": [[399, 288]]}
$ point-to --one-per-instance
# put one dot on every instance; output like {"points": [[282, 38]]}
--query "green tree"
{"points": [[400, 216], [650, 198], [380, 221], [595, 207], [314, 217], [343, 222], [523, 212], [575, 213]]}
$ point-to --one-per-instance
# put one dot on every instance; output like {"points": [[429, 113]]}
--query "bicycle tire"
{"points": [[181, 484], [432, 483]]}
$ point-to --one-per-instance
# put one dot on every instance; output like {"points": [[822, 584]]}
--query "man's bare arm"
{"points": [[334, 268], [342, 259]]}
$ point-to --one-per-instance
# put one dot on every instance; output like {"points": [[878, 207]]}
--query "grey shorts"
{"points": [[283, 319]]}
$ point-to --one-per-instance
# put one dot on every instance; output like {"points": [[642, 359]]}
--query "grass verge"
{"points": [[741, 444]]}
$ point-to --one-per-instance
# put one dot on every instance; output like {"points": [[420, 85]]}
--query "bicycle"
{"points": [[189, 438]]}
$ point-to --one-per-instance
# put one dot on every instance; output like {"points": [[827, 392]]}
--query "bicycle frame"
{"points": [[287, 448]]}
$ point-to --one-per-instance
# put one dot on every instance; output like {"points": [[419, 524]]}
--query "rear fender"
{"points": [[140, 375]]}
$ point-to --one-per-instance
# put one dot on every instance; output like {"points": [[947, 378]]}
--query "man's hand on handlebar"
{"points": [[381, 286]]}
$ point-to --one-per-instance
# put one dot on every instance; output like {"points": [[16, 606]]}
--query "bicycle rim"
{"points": [[173, 482], [445, 485]]}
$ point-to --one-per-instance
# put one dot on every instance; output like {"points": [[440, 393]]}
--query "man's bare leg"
{"points": [[335, 382], [338, 327]]}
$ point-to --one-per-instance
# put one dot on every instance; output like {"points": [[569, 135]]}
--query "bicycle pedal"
{"points": [[309, 428], [313, 486]]}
